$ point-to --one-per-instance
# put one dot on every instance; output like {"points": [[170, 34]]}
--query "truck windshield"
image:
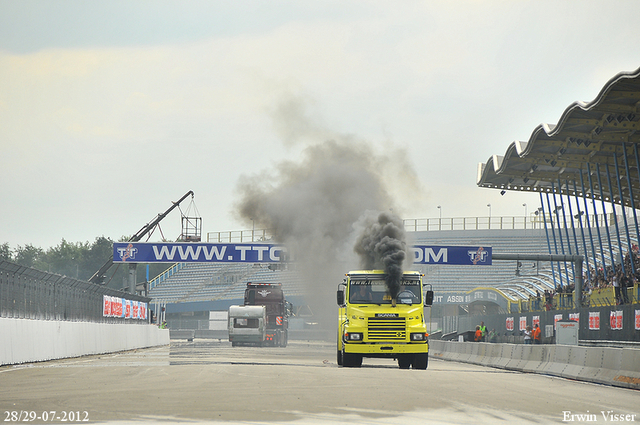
{"points": [[375, 292], [261, 296], [245, 323]]}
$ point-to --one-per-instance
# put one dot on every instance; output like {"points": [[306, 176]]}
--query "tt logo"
{"points": [[264, 293], [478, 256], [128, 253]]}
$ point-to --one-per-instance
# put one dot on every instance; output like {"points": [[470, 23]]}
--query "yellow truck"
{"points": [[373, 324]]}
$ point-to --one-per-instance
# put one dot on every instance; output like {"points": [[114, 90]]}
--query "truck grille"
{"points": [[387, 328]]}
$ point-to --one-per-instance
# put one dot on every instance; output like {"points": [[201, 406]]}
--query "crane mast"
{"points": [[98, 277]]}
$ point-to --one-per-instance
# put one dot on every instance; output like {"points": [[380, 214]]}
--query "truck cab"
{"points": [[278, 309], [373, 324]]}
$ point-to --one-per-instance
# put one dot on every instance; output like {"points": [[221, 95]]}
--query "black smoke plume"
{"points": [[313, 205], [382, 246]]}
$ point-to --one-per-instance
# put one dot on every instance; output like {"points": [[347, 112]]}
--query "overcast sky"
{"points": [[110, 110]]}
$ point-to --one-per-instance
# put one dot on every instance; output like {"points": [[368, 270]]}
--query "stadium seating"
{"points": [[186, 282]]}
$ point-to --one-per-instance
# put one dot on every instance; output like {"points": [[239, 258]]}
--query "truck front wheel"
{"points": [[404, 361], [420, 361], [339, 357], [351, 360]]}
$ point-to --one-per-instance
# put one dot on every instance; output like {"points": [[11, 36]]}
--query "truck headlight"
{"points": [[418, 336], [353, 336]]}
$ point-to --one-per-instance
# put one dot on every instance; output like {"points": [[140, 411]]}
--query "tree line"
{"points": [[79, 260]]}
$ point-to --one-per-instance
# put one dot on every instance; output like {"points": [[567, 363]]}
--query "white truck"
{"points": [[247, 325]]}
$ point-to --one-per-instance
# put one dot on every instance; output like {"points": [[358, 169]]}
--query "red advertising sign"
{"points": [[536, 321], [594, 320], [509, 323], [106, 309], [637, 320], [615, 320], [119, 307], [523, 323], [556, 319]]}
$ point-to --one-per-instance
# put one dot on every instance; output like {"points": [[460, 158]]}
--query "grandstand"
{"points": [[195, 282], [448, 278], [203, 282]]}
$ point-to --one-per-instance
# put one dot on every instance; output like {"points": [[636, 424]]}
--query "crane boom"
{"points": [[99, 275]]}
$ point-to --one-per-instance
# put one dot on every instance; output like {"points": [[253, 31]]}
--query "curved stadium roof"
{"points": [[594, 133]]}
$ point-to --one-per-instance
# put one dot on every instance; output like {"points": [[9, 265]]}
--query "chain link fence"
{"points": [[27, 293]]}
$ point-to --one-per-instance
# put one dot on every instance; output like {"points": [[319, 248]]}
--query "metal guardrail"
{"points": [[27, 293], [173, 269], [532, 221], [239, 236]]}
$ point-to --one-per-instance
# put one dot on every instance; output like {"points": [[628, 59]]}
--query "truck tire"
{"points": [[351, 360], [339, 357], [284, 338], [421, 361], [404, 361]]}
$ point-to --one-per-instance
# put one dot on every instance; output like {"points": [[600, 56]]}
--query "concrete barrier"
{"points": [[211, 334], [611, 364], [605, 365], [593, 366], [505, 355], [629, 361], [516, 357], [182, 333], [496, 354], [24, 340], [294, 334], [577, 361], [535, 358], [558, 360]]}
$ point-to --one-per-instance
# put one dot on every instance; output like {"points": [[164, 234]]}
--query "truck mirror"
{"points": [[340, 297], [428, 298]]}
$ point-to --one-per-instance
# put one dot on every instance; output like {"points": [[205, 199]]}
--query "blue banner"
{"points": [[453, 255], [144, 252], [169, 252]]}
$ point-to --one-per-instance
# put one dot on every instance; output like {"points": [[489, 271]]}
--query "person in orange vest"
{"points": [[536, 334], [478, 336], [483, 329]]}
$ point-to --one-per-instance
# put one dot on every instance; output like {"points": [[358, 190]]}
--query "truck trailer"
{"points": [[247, 325], [373, 324]]}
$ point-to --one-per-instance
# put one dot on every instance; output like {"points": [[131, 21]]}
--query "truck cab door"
{"points": [[250, 297]]}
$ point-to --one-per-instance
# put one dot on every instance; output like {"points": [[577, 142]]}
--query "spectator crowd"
{"points": [[614, 276]]}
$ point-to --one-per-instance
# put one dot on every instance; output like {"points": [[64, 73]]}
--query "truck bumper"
{"points": [[385, 350], [246, 337]]}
